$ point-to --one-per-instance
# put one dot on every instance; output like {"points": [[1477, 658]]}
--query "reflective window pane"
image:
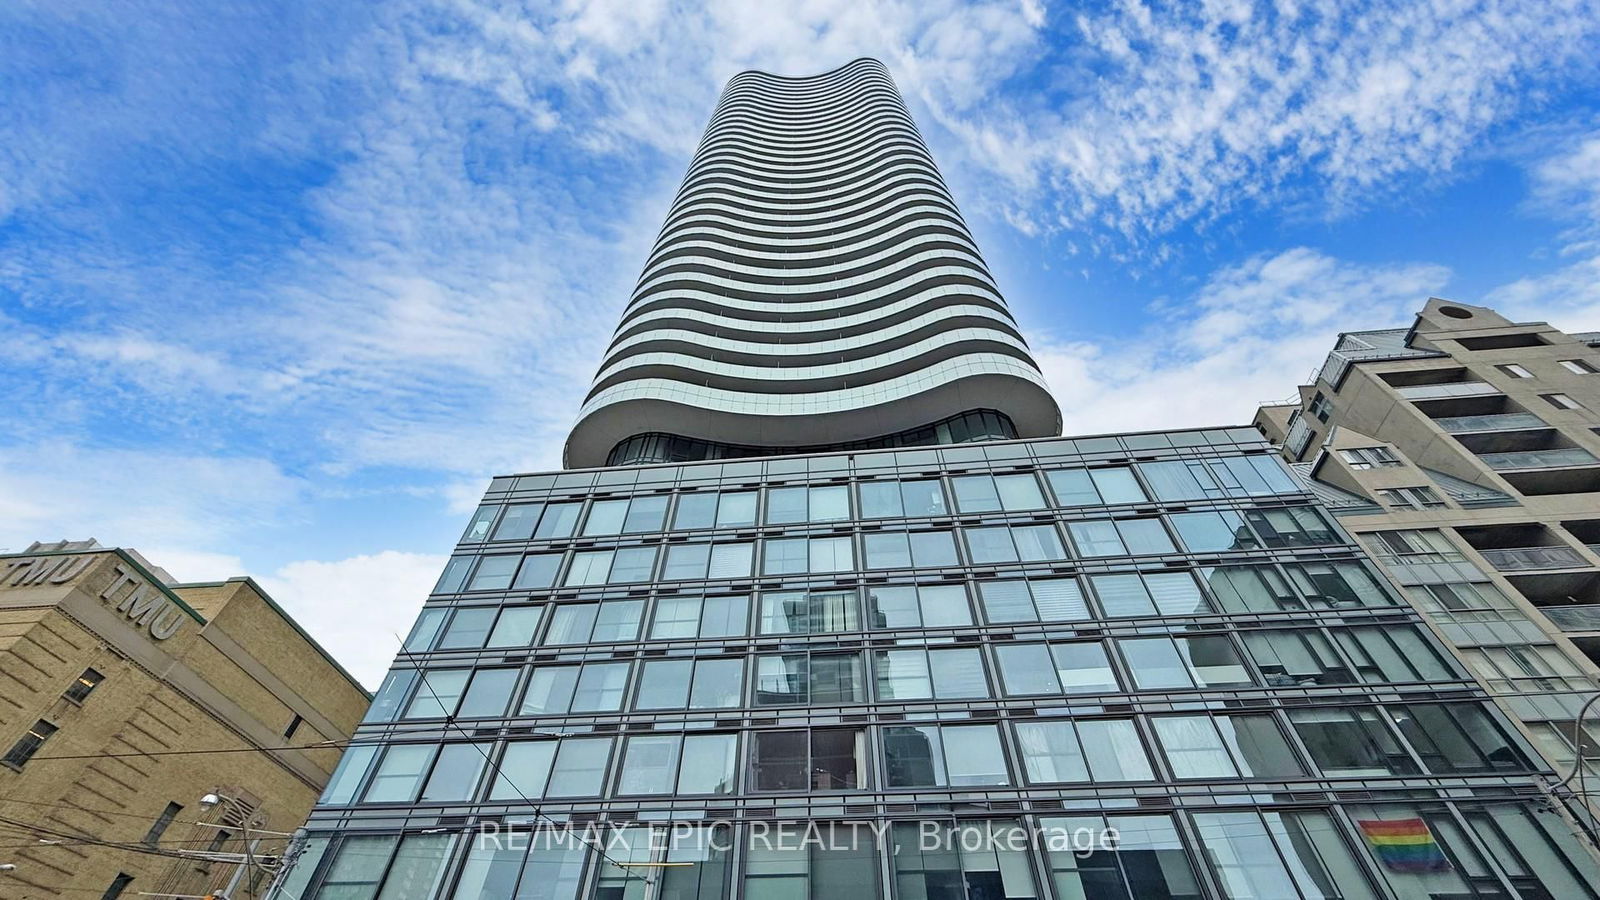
{"points": [[524, 768], [830, 503], [571, 623], [676, 617], [516, 626], [708, 765], [1350, 742], [975, 493], [973, 755], [695, 511], [600, 687], [605, 517], [632, 565], [455, 774], [734, 510], [400, 773], [649, 764], [813, 612], [1073, 487], [559, 520], [958, 673], [1096, 538], [454, 574], [664, 684], [469, 627], [418, 868], [438, 692], [645, 514], [617, 620], [923, 498], [580, 767], [426, 629], [538, 571], [1210, 532], [718, 684], [1018, 492], [932, 549], [1083, 668], [549, 690], [785, 505], [1147, 861], [1117, 485], [1142, 536], [518, 522], [1026, 669], [494, 573], [990, 545], [686, 561], [880, 500], [887, 550], [488, 693], [724, 616], [588, 567], [730, 560]]}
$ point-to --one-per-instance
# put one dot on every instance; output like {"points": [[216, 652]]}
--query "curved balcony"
{"points": [[811, 229]]}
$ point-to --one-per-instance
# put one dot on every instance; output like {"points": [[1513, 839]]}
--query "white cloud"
{"points": [[355, 607], [1564, 183], [1567, 182], [1251, 333], [1182, 112], [1568, 297], [198, 505]]}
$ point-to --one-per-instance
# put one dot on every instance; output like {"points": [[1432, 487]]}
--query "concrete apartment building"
{"points": [[1463, 452], [116, 689], [823, 608]]}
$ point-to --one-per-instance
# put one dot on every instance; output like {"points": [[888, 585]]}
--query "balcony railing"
{"points": [[1573, 618], [1522, 559], [1528, 684], [1453, 389], [1499, 422], [1539, 459], [1299, 437]]}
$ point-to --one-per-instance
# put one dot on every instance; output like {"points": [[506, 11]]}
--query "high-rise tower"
{"points": [[784, 630], [813, 287]]}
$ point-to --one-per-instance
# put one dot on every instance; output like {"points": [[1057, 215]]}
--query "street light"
{"points": [[246, 813]]}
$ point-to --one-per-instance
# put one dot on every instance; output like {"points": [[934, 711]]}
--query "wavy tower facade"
{"points": [[814, 286]]}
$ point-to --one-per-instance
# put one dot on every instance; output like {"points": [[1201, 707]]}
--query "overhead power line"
{"points": [[320, 745]]}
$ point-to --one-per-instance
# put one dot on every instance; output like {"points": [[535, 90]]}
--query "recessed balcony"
{"points": [[1447, 391], [1492, 422], [1537, 448], [1554, 590], [1574, 619], [1529, 547], [1465, 407], [1560, 457], [1568, 479], [1587, 531], [1525, 559]]}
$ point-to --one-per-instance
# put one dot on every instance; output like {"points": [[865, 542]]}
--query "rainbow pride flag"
{"points": [[1404, 845]]}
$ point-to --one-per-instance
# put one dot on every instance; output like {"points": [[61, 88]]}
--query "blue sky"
{"points": [[282, 284]]}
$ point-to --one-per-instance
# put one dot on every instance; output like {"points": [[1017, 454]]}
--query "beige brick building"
{"points": [[116, 691], [1463, 452]]}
